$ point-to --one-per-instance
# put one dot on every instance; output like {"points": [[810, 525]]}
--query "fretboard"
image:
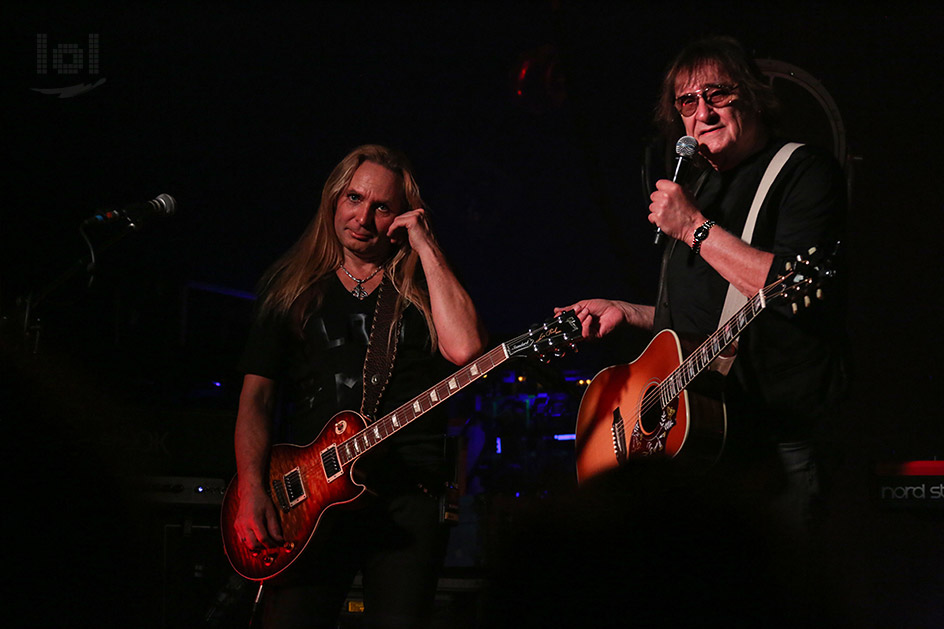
{"points": [[389, 424], [698, 360]]}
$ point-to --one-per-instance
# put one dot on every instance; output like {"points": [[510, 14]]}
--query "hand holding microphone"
{"points": [[685, 149]]}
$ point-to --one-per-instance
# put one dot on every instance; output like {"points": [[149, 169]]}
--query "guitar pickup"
{"points": [[278, 489], [330, 462], [290, 490]]}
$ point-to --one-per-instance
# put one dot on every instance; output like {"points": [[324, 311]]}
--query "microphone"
{"points": [[162, 205], [685, 148]]}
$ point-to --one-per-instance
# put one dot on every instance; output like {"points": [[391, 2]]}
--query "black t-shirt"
{"points": [[788, 374], [320, 370]]}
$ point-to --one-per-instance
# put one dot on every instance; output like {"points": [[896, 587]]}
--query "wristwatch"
{"points": [[701, 233]]}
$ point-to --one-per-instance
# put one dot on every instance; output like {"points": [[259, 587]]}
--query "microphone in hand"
{"points": [[685, 149]]}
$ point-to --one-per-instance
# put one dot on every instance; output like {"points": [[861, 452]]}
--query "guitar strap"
{"points": [[378, 365], [381, 349], [735, 300]]}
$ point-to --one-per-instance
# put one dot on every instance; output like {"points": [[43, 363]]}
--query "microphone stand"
{"points": [[31, 323]]}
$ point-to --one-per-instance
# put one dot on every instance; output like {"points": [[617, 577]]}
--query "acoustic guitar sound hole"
{"points": [[650, 419]]}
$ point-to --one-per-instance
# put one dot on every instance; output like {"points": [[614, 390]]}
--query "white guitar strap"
{"points": [[735, 300]]}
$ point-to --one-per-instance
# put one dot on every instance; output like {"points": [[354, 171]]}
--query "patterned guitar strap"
{"points": [[381, 349]]}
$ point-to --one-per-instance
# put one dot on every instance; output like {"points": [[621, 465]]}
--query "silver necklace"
{"points": [[358, 290]]}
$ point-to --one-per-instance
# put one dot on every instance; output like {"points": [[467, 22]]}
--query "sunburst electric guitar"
{"points": [[306, 481], [647, 409]]}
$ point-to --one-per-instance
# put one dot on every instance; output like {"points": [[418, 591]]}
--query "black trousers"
{"points": [[396, 542]]}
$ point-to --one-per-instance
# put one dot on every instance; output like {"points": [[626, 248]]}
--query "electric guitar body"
{"points": [[303, 498]]}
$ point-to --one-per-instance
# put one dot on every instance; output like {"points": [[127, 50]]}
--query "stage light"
{"points": [[538, 83]]}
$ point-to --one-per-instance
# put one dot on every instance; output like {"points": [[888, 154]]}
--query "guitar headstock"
{"points": [[804, 277], [551, 339]]}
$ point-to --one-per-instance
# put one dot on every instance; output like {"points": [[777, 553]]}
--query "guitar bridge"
{"points": [[618, 430]]}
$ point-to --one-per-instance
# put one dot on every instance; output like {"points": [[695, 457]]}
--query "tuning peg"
{"points": [[811, 250], [819, 293], [788, 266], [806, 301], [794, 308]]}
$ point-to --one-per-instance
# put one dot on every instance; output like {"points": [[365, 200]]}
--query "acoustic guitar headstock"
{"points": [[804, 277]]}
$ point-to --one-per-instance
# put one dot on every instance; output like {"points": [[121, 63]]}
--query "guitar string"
{"points": [[495, 357], [442, 393], [690, 362], [409, 407], [655, 395]]}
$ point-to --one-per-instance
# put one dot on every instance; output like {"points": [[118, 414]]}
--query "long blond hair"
{"points": [[289, 285]]}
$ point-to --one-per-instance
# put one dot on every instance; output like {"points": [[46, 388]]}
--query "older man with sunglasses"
{"points": [[783, 389]]}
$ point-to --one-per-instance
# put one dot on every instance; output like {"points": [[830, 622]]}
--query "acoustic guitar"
{"points": [[647, 408]]}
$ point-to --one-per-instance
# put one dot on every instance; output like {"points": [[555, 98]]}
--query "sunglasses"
{"points": [[714, 96]]}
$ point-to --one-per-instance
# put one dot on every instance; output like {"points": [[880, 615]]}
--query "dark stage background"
{"points": [[526, 123]]}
